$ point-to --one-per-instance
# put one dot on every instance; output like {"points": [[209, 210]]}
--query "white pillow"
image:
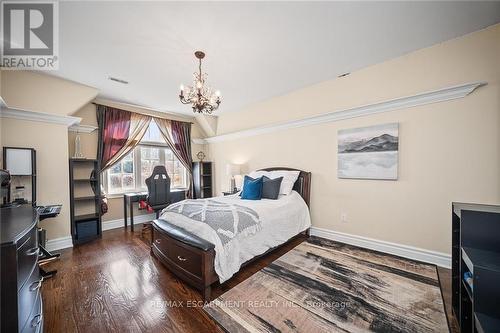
{"points": [[258, 174], [289, 178]]}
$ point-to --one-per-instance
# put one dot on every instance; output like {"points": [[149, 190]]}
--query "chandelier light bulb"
{"points": [[201, 97]]}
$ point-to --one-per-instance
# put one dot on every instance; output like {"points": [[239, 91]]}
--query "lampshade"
{"points": [[233, 169]]}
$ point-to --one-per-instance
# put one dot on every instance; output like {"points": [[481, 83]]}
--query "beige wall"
{"points": [[39, 92], [89, 147], [448, 151], [44, 93], [51, 144]]}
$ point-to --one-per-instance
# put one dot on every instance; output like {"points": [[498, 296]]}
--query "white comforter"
{"points": [[281, 219]]}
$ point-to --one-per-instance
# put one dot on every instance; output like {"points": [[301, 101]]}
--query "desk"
{"points": [[229, 192], [130, 198]]}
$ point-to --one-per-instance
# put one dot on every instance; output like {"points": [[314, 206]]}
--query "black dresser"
{"points": [[20, 283]]}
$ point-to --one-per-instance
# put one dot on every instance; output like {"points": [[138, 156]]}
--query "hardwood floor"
{"points": [[445, 281], [114, 285]]}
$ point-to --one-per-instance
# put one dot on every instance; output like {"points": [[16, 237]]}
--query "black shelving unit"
{"points": [[476, 250], [85, 226], [202, 180]]}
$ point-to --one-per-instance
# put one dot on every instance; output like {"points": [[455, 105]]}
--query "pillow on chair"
{"points": [[252, 188]]}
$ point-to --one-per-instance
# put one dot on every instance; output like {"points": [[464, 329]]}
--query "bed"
{"points": [[200, 256]]}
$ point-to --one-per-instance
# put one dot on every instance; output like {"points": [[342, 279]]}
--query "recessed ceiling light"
{"points": [[117, 80]]}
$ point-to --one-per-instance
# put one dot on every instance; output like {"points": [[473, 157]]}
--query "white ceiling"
{"points": [[254, 50]]}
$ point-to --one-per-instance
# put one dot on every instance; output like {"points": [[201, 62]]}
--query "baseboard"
{"points": [[59, 243], [113, 224], [66, 242], [433, 257]]}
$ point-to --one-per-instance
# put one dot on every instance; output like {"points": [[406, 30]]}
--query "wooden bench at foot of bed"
{"points": [[187, 256]]}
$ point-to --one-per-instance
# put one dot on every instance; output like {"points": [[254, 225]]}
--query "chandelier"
{"points": [[201, 97]]}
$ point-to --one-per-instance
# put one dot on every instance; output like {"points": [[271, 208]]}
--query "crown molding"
{"points": [[6, 112], [82, 128], [197, 141], [144, 109], [430, 97]]}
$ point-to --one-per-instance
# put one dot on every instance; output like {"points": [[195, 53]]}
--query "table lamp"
{"points": [[233, 170]]}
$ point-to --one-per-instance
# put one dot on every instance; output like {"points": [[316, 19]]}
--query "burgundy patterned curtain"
{"points": [[177, 134], [181, 134], [120, 131], [116, 132]]}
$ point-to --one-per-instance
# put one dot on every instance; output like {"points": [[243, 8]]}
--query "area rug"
{"points": [[325, 286]]}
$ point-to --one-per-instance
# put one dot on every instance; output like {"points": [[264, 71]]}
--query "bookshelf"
{"points": [[202, 180], [85, 203], [476, 254]]}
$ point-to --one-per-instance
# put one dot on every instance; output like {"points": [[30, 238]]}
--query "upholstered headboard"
{"points": [[302, 184]]}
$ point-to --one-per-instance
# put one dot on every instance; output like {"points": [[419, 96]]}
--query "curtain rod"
{"points": [[137, 106]]}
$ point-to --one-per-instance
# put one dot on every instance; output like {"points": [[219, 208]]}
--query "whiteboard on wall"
{"points": [[18, 162]]}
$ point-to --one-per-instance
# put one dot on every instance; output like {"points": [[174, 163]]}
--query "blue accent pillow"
{"points": [[252, 188]]}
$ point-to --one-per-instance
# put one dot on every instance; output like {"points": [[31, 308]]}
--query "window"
{"points": [[121, 176], [129, 174]]}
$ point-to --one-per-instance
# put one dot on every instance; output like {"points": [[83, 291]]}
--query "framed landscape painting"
{"points": [[369, 152]]}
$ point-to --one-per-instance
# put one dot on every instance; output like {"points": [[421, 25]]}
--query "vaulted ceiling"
{"points": [[254, 50]]}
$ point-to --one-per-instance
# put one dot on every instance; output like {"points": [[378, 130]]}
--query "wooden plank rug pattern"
{"points": [[325, 286]]}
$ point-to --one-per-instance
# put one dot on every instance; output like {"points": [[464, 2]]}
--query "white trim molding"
{"points": [[435, 96], [82, 128], [6, 112], [113, 224], [433, 257], [67, 242], [145, 110], [59, 243], [198, 141]]}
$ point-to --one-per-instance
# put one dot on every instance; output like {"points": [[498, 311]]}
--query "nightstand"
{"points": [[229, 192]]}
